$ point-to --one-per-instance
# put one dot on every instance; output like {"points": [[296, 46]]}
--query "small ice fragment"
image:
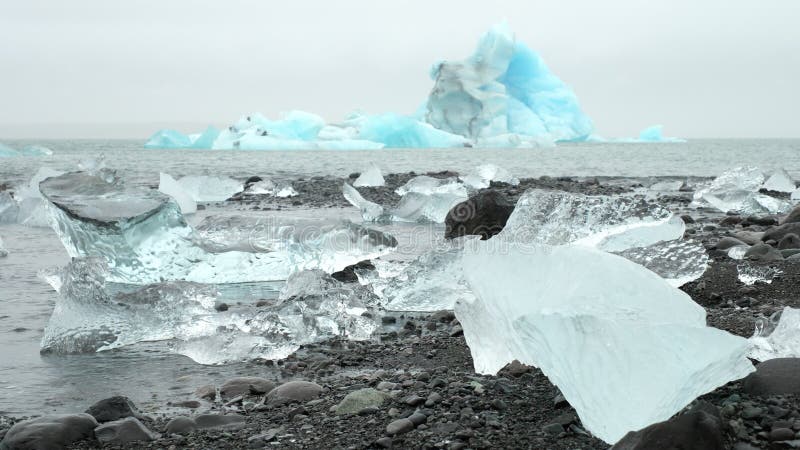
{"points": [[32, 207], [738, 251], [169, 186], [8, 208], [777, 336], [667, 186], [36, 150], [3, 251], [750, 274], [205, 189], [678, 262], [263, 187], [370, 211], [482, 176], [780, 181], [426, 185], [286, 191], [92, 165], [370, 177]]}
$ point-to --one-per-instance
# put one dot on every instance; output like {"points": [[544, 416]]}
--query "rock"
{"points": [[221, 307], [294, 391], [245, 385], [433, 399], [793, 217], [113, 408], [191, 404], [749, 237], [414, 400], [399, 426], [752, 412], [789, 252], [124, 430], [348, 274], [51, 432], [781, 434], [484, 214], [207, 392], [261, 440], [180, 425], [795, 257], [220, 422], [763, 252], [418, 418], [777, 233], [553, 429], [516, 369], [728, 242], [774, 377], [699, 429], [384, 442], [790, 241], [355, 401], [687, 219]]}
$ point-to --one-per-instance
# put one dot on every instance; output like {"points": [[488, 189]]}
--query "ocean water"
{"points": [[31, 383]]}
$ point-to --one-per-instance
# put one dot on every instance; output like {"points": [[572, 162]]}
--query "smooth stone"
{"points": [[180, 425], [217, 421], [763, 252], [699, 429], [777, 233], [418, 418], [124, 430], [207, 392], [294, 391], [789, 252], [792, 217], [749, 237], [414, 400], [245, 385], [356, 401], [774, 377], [728, 242], [789, 242], [262, 440], [781, 434], [113, 408], [49, 432], [349, 273], [399, 426], [384, 442], [484, 215]]}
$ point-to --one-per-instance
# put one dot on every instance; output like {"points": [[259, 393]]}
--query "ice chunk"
{"points": [[204, 189], [8, 208], [168, 139], [777, 336], [286, 191], [413, 207], [370, 177], [610, 223], [169, 186], [655, 134], [667, 186], [36, 150], [678, 262], [370, 211], [146, 239], [504, 88], [624, 347], [3, 251], [482, 176], [738, 251], [750, 274], [796, 195], [426, 185], [32, 207], [780, 181], [7, 152], [92, 165], [737, 190], [205, 140]]}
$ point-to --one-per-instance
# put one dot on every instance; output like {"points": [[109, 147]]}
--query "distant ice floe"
{"points": [[737, 190], [502, 96], [30, 150], [651, 134]]}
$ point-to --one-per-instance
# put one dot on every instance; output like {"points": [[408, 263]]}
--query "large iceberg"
{"points": [[737, 190], [502, 96], [624, 347], [143, 236], [30, 150]]}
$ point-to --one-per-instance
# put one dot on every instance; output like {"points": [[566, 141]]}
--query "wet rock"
{"points": [[384, 442], [781, 434], [774, 377], [763, 252], [749, 237], [516, 369], [207, 392], [245, 385], [220, 422], [262, 440], [356, 401], [792, 217], [399, 426], [418, 418], [790, 241], [180, 425], [124, 430], [414, 400], [484, 214], [348, 274], [777, 233], [728, 242], [113, 408], [49, 432], [294, 391], [699, 429]]}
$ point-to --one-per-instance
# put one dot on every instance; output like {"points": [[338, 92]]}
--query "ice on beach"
{"points": [[286, 191], [738, 251], [167, 185], [370, 211], [737, 190], [370, 177], [413, 206], [625, 348], [424, 184], [752, 274], [676, 261], [3, 251], [148, 240], [796, 194], [482, 176], [9, 210], [655, 133], [780, 181], [204, 189], [777, 336], [32, 206]]}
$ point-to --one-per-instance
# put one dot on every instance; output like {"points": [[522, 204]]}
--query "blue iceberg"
{"points": [[655, 134], [30, 150]]}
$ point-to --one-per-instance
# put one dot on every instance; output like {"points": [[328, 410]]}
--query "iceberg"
{"points": [[167, 185], [655, 134], [286, 191], [168, 139], [145, 239], [625, 348], [7, 152], [396, 131], [370, 177], [737, 190], [780, 181], [482, 176], [30, 150], [205, 189], [777, 336]]}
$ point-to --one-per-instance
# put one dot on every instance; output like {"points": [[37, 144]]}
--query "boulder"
{"points": [[355, 401], [788, 242], [728, 242], [294, 391], [245, 385], [484, 214], [113, 408], [774, 377], [777, 233], [348, 274], [51, 432], [124, 430], [792, 217], [698, 429], [763, 252], [749, 237], [180, 425]]}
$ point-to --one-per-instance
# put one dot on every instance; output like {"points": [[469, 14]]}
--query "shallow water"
{"points": [[31, 383]]}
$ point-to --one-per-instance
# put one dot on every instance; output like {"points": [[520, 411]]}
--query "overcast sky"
{"points": [[100, 68]]}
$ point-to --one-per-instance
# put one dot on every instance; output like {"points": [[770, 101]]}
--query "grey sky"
{"points": [[100, 68]]}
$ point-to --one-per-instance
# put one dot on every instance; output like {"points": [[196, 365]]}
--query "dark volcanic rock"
{"points": [[775, 377], [49, 432], [124, 430], [484, 214], [793, 217], [790, 241], [348, 274], [699, 429], [245, 385], [777, 233], [728, 242], [113, 408], [294, 391], [763, 252], [218, 421]]}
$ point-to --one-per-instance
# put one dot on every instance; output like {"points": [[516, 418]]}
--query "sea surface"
{"points": [[31, 383]]}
